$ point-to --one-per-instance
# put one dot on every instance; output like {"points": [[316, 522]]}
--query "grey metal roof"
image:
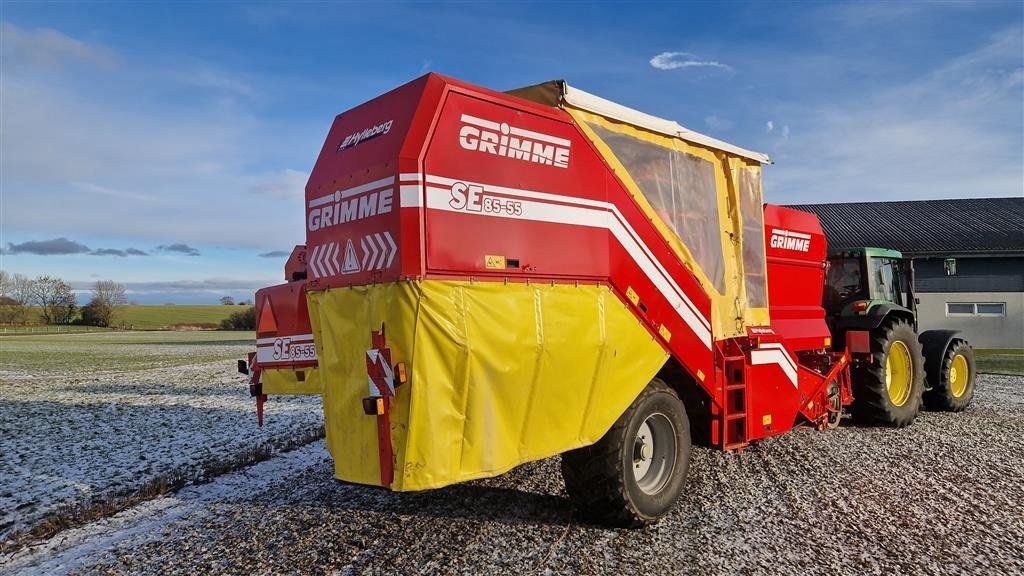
{"points": [[926, 227]]}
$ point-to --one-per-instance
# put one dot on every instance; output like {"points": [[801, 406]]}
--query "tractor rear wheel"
{"points": [[952, 388], [888, 390], [634, 474]]}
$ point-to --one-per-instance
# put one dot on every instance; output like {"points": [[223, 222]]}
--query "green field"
{"points": [[1000, 361], [142, 317], [166, 316]]}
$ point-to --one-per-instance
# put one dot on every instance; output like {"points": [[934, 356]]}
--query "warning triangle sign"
{"points": [[267, 326], [351, 265]]}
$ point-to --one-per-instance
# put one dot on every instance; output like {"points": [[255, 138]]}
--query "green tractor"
{"points": [[869, 296]]}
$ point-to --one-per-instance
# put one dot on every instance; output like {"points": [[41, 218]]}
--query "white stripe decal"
{"points": [[325, 260], [596, 204], [411, 196], [538, 136], [790, 233], [312, 261], [297, 339], [480, 122], [438, 198], [349, 192], [776, 354], [778, 346], [334, 257]]}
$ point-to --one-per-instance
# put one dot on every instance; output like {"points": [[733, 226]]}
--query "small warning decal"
{"points": [[632, 295], [351, 264], [494, 262]]}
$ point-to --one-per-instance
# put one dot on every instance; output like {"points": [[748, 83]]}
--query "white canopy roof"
{"points": [[586, 101], [556, 92]]}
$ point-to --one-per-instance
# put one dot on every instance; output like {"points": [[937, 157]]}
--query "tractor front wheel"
{"points": [[888, 389], [633, 475]]}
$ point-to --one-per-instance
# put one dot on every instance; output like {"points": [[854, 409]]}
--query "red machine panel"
{"points": [[352, 197], [283, 333], [533, 179], [797, 256]]}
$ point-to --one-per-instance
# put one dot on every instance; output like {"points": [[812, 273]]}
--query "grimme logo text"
{"points": [[501, 139], [789, 240], [339, 208]]}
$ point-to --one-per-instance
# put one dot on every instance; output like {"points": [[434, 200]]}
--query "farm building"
{"points": [[968, 258]]}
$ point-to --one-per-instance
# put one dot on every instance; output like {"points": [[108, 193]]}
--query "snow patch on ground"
{"points": [[148, 521], [78, 439]]}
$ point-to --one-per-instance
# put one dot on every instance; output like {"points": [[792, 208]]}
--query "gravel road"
{"points": [[941, 497]]}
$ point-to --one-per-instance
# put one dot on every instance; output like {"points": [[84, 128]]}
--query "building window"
{"points": [[990, 309], [995, 309], [950, 266]]}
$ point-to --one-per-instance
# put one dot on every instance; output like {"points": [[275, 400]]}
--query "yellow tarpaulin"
{"points": [[500, 374], [296, 381]]}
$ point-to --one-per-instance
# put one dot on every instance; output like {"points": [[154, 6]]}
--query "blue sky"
{"points": [[187, 130]]}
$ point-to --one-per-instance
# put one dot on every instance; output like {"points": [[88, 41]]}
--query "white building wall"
{"points": [[981, 331]]}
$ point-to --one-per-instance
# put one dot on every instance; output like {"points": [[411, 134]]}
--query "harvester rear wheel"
{"points": [[633, 475], [888, 390], [953, 386]]}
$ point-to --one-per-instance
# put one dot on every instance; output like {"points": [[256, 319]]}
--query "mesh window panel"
{"points": [[681, 188], [755, 277]]}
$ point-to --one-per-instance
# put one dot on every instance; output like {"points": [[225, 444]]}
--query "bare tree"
{"points": [[107, 298], [227, 301], [17, 292], [8, 305], [56, 299]]}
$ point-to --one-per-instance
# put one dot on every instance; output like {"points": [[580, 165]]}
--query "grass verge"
{"points": [[1000, 361]]}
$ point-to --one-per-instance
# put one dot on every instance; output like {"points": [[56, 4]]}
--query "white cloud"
{"points": [[208, 77], [785, 132], [676, 60], [120, 194], [285, 183], [50, 48], [717, 123], [769, 126]]}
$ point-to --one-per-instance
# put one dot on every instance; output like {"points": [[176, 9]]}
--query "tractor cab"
{"points": [[865, 285]]}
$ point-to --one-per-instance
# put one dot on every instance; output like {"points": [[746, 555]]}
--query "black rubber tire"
{"points": [[940, 396], [871, 401], [599, 478]]}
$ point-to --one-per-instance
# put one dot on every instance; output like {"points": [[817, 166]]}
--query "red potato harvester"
{"points": [[493, 278]]}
